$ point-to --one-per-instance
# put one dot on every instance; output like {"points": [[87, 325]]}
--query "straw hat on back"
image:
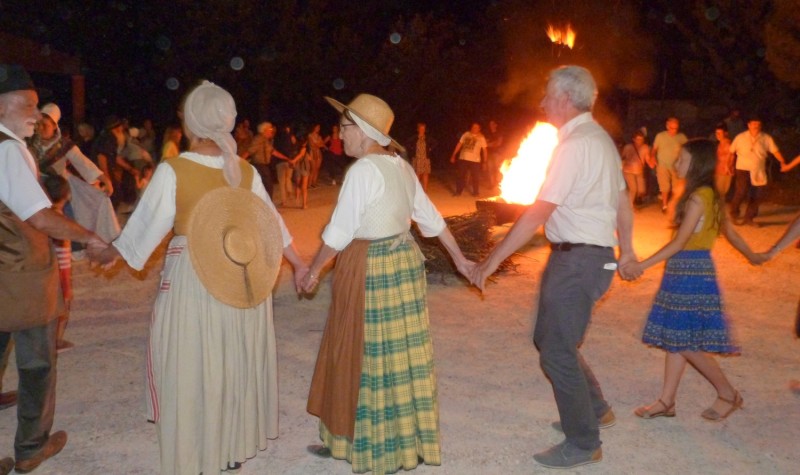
{"points": [[235, 244]]}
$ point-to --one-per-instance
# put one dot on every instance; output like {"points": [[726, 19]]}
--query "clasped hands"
{"points": [[101, 252]]}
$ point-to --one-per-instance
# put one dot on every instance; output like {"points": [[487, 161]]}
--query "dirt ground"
{"points": [[496, 405]]}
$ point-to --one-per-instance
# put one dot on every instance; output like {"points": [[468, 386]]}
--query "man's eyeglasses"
{"points": [[346, 125]]}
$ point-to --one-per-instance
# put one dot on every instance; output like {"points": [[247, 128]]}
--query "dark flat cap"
{"points": [[13, 77]]}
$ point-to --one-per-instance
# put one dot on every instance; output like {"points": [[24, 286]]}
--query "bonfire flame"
{"points": [[524, 174], [565, 36]]}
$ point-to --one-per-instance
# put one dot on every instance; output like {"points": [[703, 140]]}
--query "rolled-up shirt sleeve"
{"points": [[362, 184], [152, 219]]}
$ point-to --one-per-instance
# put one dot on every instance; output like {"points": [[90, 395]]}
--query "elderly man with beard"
{"points": [[29, 287]]}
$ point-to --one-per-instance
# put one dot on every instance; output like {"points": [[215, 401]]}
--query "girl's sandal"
{"points": [[647, 412], [712, 415]]}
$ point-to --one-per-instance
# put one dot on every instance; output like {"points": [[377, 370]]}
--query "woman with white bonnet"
{"points": [[374, 387], [91, 207], [211, 363]]}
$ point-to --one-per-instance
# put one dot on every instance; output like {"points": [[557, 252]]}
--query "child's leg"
{"points": [[304, 186], [61, 327], [709, 368], [674, 364]]}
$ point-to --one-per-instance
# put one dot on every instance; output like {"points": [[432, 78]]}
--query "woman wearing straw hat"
{"points": [[211, 366], [374, 381]]}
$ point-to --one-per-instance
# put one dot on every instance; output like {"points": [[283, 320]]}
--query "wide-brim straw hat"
{"points": [[371, 109], [235, 245]]}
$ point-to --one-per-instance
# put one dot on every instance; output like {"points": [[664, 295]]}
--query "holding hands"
{"points": [[629, 267], [308, 282], [102, 252], [480, 272]]}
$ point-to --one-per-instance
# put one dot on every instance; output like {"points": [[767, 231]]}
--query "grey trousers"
{"points": [[571, 284], [35, 350]]}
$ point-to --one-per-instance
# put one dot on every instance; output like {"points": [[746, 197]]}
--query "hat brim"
{"points": [[340, 107], [213, 217]]}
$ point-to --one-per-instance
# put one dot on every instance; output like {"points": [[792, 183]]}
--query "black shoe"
{"points": [[234, 468], [319, 450]]}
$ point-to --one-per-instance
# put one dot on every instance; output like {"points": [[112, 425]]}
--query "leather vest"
{"points": [[30, 291]]}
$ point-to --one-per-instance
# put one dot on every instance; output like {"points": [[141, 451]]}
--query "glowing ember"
{"points": [[524, 174], [565, 36]]}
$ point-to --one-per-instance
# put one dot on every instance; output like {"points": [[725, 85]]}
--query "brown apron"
{"points": [[30, 291]]}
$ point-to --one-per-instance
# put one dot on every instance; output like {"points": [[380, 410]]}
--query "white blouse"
{"points": [[364, 185], [154, 216]]}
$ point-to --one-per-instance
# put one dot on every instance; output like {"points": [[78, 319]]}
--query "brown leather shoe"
{"points": [[7, 400], [54, 444], [6, 465]]}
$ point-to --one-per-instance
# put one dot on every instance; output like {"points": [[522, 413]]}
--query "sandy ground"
{"points": [[496, 405]]}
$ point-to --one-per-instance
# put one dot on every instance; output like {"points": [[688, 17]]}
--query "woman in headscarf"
{"points": [[56, 156], [374, 387], [211, 367]]}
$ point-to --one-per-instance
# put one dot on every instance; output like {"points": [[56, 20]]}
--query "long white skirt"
{"points": [[211, 371]]}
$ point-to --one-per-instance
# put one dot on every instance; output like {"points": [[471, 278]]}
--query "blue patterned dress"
{"points": [[687, 313]]}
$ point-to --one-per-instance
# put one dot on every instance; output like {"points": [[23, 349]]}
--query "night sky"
{"points": [[446, 62]]}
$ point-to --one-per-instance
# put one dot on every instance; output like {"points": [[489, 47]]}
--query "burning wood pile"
{"points": [[522, 178], [472, 232]]}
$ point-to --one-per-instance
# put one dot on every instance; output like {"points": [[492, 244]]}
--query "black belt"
{"points": [[568, 246]]}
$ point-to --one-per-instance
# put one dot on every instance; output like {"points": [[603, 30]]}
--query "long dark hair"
{"points": [[701, 173]]}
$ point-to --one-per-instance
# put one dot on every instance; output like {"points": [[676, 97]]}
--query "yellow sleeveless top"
{"points": [[193, 180], [703, 239]]}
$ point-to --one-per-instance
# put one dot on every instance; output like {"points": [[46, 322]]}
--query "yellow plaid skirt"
{"points": [[397, 415]]}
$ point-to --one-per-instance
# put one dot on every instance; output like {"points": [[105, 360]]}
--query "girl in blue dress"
{"points": [[687, 319]]}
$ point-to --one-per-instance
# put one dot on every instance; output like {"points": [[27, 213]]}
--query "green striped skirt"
{"points": [[395, 418]]}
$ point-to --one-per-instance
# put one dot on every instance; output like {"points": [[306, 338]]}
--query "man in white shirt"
{"points": [[29, 291], [471, 151], [752, 147], [582, 203]]}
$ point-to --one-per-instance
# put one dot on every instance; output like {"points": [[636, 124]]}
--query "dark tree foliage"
{"points": [[718, 51], [278, 58], [446, 63], [782, 36]]}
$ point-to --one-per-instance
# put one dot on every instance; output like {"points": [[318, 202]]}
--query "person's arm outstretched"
{"points": [[464, 265], [738, 242], [522, 232], [625, 236], [788, 166], [694, 211], [789, 236]]}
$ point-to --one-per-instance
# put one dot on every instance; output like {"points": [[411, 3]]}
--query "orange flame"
{"points": [[524, 174], [564, 36]]}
